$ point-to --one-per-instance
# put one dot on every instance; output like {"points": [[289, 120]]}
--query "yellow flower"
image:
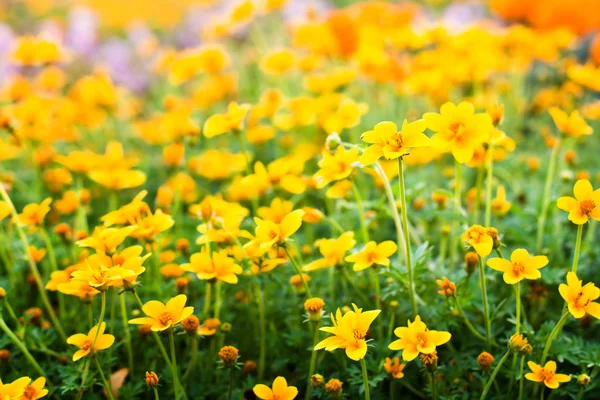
{"points": [[416, 338], [459, 130], [349, 332], [580, 298], [151, 225], [394, 368], [570, 125], [546, 374], [209, 327], [13, 390], [5, 210], [499, 205], [521, 266], [85, 342], [277, 62], [34, 390], [219, 124], [269, 233], [100, 275], [479, 238], [34, 214], [387, 142], [277, 211], [218, 266], [118, 179], [333, 251], [373, 253], [280, 391], [164, 316], [106, 240], [336, 167], [584, 206], [339, 189]]}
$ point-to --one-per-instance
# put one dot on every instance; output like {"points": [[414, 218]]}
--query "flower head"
{"points": [[151, 378], [546, 374], [372, 254], [336, 166], [218, 266], [521, 266], [15, 389], [349, 332], [447, 288], [479, 238], [394, 368], [280, 390], [500, 205], [485, 360], [386, 141], [84, 342], [580, 298], [269, 233], [34, 214], [570, 125], [164, 316], [416, 338], [584, 206]]}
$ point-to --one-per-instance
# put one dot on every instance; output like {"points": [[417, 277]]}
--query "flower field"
{"points": [[287, 199]]}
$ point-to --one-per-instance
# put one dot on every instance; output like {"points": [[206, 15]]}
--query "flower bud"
{"points": [[334, 388], [249, 367], [517, 342], [190, 324], [429, 360], [228, 355], [485, 360], [314, 306], [151, 379], [471, 261], [584, 379], [317, 380]]}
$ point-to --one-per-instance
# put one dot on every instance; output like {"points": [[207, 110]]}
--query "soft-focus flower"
{"points": [[394, 368], [164, 316], [580, 298], [546, 374], [373, 253], [280, 390], [386, 141], [480, 239], [34, 214], [584, 206], [216, 266], [337, 166], [15, 389], [570, 125], [84, 342], [500, 205], [447, 288], [416, 338], [219, 124], [333, 251], [349, 332], [521, 266]]}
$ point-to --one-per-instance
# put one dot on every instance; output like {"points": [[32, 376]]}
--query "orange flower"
{"points": [[218, 266], [164, 316], [570, 125], [280, 391], [547, 374], [84, 342], [34, 214], [584, 206]]}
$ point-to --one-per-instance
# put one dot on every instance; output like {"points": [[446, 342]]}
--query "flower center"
{"points": [[165, 318], [396, 140], [518, 268], [30, 392], [579, 302], [421, 338], [587, 206], [86, 345], [358, 335], [546, 375], [457, 128]]}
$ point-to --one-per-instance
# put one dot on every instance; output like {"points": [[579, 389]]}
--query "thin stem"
{"points": [[493, 377], [207, 299], [363, 364], [488, 184], [361, 212], [101, 319], [50, 248], [518, 300], [477, 204], [230, 391], [32, 266], [484, 299], [262, 360], [577, 248], [359, 292], [298, 271], [176, 385], [378, 300], [457, 206], [467, 322], [217, 299], [86, 370], [553, 334], [103, 378], [192, 363], [403, 210], [313, 361], [433, 386], [546, 197], [155, 393], [21, 347], [391, 326], [521, 377], [127, 332], [11, 312]]}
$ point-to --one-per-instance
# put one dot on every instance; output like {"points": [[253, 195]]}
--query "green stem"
{"points": [[262, 360], [553, 334], [11, 312], [86, 370], [359, 292], [207, 299], [193, 350], [488, 184], [378, 301], [477, 204], [155, 393], [176, 385], [433, 386], [577, 248], [391, 326], [484, 299], [298, 271], [217, 299], [361, 212], [127, 332], [103, 378], [101, 319], [457, 205], [467, 322], [403, 210], [33, 267], [313, 361], [521, 377], [363, 364], [518, 300], [21, 347], [546, 196], [230, 391], [493, 377]]}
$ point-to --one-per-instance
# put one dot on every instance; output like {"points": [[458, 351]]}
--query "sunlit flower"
{"points": [[219, 124], [546, 374], [580, 298], [106, 240], [269, 233], [280, 390], [102, 341], [337, 166], [333, 251], [372, 254], [521, 266], [34, 390], [216, 266], [500, 205], [416, 338], [570, 125], [164, 316], [15, 389], [34, 214], [349, 332], [480, 239], [584, 206], [386, 141]]}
